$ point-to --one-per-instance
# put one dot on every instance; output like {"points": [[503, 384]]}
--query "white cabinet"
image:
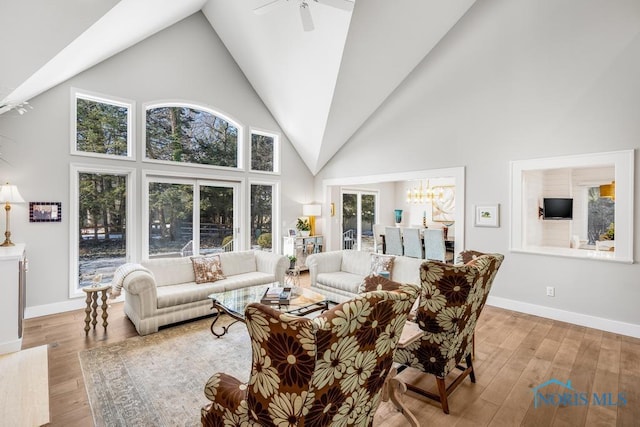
{"points": [[12, 285], [301, 247]]}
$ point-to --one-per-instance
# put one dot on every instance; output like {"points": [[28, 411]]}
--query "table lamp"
{"points": [[9, 194], [312, 211]]}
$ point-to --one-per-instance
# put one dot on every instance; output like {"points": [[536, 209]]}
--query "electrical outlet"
{"points": [[551, 291]]}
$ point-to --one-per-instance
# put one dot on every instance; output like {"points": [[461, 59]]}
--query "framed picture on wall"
{"points": [[45, 211], [443, 205], [487, 216]]}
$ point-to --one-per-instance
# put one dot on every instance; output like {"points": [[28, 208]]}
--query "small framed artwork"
{"points": [[292, 232], [45, 211], [487, 216]]}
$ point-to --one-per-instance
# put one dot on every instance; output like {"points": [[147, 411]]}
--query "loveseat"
{"points": [[163, 291], [339, 274]]}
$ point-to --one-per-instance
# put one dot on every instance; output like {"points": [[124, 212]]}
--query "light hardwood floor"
{"points": [[514, 353]]}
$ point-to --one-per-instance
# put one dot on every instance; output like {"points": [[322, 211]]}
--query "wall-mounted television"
{"points": [[557, 208]]}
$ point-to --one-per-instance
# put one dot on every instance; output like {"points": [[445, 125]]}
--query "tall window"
{"points": [[264, 152], [190, 216], [99, 224], [186, 134], [102, 127], [600, 217], [262, 216]]}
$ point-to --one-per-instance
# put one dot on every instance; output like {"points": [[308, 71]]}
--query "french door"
{"points": [[358, 216], [191, 216]]}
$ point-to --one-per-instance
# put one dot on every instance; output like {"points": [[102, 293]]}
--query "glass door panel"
{"points": [[170, 219], [358, 217], [367, 219], [217, 215], [349, 220]]}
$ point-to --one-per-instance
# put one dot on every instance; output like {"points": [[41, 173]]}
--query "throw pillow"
{"points": [[207, 268], [381, 263]]}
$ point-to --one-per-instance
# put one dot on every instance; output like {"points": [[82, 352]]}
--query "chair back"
{"points": [[412, 243], [393, 241], [329, 370], [378, 231], [451, 300], [434, 247]]}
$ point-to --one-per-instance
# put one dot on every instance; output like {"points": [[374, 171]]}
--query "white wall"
{"points": [[185, 62], [517, 80]]}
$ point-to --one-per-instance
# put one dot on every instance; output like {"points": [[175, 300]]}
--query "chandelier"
{"points": [[420, 195]]}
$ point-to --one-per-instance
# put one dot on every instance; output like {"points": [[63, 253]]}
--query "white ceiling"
{"points": [[320, 86]]}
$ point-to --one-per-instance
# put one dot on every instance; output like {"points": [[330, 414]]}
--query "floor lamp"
{"points": [[9, 194], [312, 211]]}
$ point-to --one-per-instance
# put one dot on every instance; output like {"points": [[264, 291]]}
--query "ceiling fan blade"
{"points": [[340, 4], [305, 16], [268, 7]]}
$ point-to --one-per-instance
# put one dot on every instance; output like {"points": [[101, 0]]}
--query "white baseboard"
{"points": [[11, 346], [55, 308], [601, 323]]}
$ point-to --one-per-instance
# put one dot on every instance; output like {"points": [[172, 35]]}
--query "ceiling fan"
{"points": [[305, 13]]}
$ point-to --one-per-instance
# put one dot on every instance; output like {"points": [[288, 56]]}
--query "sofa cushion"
{"points": [[356, 262], [170, 271], [406, 270], [238, 262], [185, 293], [207, 268], [341, 280]]}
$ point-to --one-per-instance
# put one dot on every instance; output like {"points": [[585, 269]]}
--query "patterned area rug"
{"points": [[158, 379]]}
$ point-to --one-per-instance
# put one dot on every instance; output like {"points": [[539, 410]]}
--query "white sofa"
{"points": [[338, 274], [167, 292]]}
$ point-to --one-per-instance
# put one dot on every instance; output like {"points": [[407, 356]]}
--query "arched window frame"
{"points": [[183, 104]]}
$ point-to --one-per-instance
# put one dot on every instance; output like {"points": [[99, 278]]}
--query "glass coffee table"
{"points": [[302, 302]]}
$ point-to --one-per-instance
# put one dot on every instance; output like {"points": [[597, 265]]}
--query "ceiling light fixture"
{"points": [[420, 195]]}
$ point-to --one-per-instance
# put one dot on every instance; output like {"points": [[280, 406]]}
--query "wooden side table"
{"points": [[92, 306]]}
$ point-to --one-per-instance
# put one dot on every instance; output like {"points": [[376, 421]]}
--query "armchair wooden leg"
{"points": [[472, 373], [442, 391]]}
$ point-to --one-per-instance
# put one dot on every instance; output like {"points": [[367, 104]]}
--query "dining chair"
{"points": [[434, 247], [378, 231], [393, 241], [412, 243]]}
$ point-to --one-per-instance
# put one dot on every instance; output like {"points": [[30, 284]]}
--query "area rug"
{"points": [[158, 379]]}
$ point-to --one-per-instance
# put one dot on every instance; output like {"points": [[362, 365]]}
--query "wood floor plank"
{"points": [[514, 352]]}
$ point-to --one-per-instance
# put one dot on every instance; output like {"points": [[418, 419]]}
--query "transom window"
{"points": [[102, 126], [264, 152], [189, 134]]}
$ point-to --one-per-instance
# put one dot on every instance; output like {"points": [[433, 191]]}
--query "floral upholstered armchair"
{"points": [[329, 370], [451, 299]]}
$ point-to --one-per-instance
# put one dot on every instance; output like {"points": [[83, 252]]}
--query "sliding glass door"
{"points": [[188, 217], [358, 217]]}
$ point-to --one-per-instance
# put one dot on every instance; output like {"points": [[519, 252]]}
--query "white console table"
{"points": [[12, 285]]}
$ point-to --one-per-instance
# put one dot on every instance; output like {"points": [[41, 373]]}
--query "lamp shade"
{"points": [[10, 194], [311, 210], [608, 190]]}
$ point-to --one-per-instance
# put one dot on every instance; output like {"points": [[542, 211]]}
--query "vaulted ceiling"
{"points": [[319, 85]]}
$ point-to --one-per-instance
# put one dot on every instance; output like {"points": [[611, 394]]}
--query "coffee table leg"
{"points": [[219, 313]]}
